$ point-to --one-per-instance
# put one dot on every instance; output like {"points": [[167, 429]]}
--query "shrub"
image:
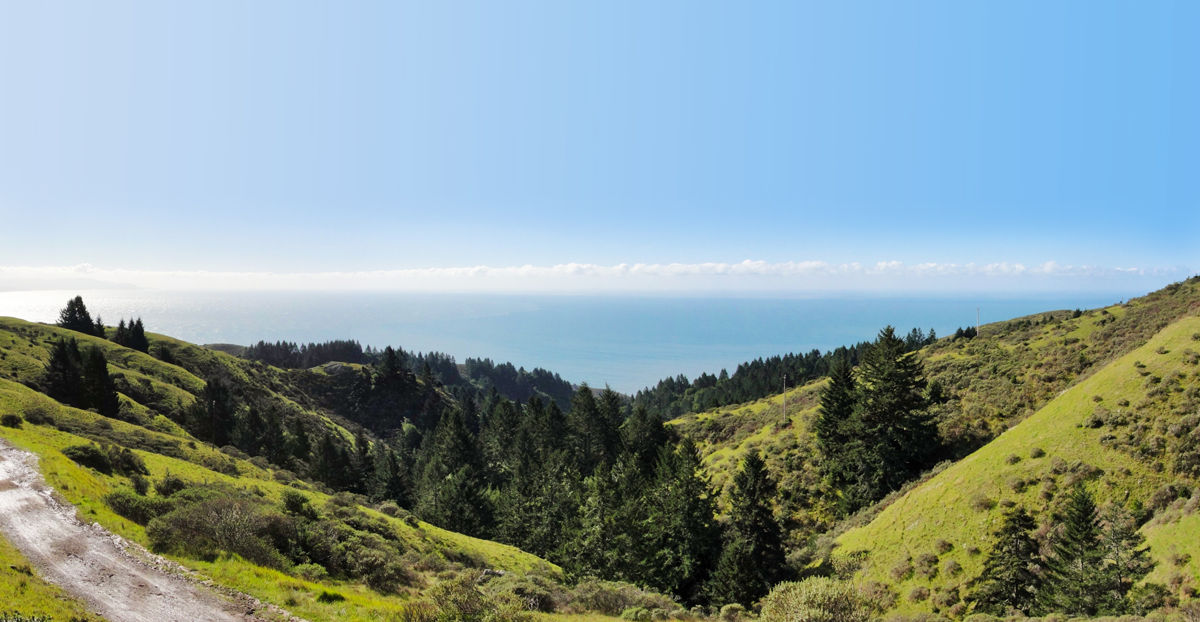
{"points": [[818, 599], [731, 612], [169, 485], [330, 597], [943, 547], [311, 572], [638, 614], [89, 456], [419, 611], [125, 461], [918, 594], [219, 523], [11, 420], [141, 485], [982, 503], [1037, 452], [297, 504], [613, 597], [926, 565], [136, 507]]}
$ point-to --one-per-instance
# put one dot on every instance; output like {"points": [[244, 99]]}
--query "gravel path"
{"points": [[116, 579]]}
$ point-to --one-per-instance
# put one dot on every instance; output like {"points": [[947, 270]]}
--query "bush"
{"points": [[311, 572], [612, 597], [731, 612], [11, 421], [1037, 452], [89, 456], [220, 523], [818, 599], [39, 415], [137, 508], [141, 485], [638, 614], [169, 485]]}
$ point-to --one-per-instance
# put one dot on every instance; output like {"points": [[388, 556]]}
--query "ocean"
{"points": [[626, 342]]}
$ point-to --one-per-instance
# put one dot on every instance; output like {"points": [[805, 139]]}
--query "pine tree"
{"points": [[896, 435], [1009, 580], [1128, 560], [451, 484], [753, 559], [644, 436], [99, 392], [1078, 583], [63, 380], [680, 538], [213, 414], [75, 317], [592, 432]]}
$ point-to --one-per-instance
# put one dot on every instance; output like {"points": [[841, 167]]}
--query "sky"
{"points": [[600, 146]]}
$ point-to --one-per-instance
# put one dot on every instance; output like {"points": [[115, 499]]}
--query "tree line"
{"points": [[755, 379]]}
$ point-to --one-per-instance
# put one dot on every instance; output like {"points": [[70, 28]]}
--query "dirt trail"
{"points": [[116, 579]]}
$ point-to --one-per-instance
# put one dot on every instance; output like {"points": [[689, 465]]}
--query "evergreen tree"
{"points": [[608, 540], [592, 431], [1078, 579], [63, 380], [752, 560], [75, 317], [451, 484], [99, 392], [680, 538], [1128, 560], [1009, 580], [895, 434], [213, 414], [273, 442], [644, 436]]}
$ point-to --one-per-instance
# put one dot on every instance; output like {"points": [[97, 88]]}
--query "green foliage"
{"points": [[1010, 580], [450, 483], [818, 599], [90, 456], [10, 420], [752, 559], [1078, 582], [75, 317], [137, 507]]}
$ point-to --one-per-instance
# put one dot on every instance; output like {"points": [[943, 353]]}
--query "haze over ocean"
{"points": [[627, 342]]}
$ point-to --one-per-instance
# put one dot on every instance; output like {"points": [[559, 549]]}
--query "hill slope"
{"points": [[986, 384], [1130, 430]]}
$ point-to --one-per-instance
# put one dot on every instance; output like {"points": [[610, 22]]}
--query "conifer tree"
{"points": [[1078, 580], [99, 392], [1009, 581], [895, 434], [213, 414], [752, 560], [75, 317], [450, 485], [644, 435], [1128, 559], [680, 538], [64, 373]]}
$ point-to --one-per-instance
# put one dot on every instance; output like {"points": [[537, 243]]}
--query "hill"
{"points": [[1130, 431], [979, 386], [314, 538]]}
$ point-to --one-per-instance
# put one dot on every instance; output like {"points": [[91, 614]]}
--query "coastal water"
{"points": [[627, 342]]}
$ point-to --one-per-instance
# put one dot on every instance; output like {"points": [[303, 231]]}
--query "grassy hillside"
{"points": [[1127, 430], [434, 553], [156, 391], [987, 384]]}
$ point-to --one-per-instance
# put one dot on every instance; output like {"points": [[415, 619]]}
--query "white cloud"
{"points": [[747, 275]]}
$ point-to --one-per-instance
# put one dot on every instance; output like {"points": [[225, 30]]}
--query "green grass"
{"points": [[951, 506], [85, 488], [23, 592]]}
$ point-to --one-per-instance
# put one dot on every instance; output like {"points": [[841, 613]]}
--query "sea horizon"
{"points": [[626, 341]]}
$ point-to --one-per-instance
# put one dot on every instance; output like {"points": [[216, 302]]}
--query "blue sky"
{"points": [[293, 137]]}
